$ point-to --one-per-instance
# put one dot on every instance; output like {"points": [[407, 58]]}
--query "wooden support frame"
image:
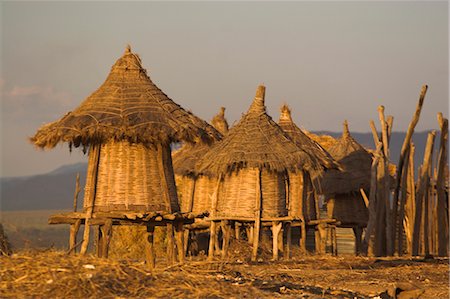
{"points": [[150, 257], [257, 226], [276, 229]]}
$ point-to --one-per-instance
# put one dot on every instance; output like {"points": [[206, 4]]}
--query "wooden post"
{"points": [[303, 238], [276, 229], [423, 188], [372, 201], [186, 240], [212, 238], [226, 229], [149, 249], [410, 206], [357, 230], [442, 201], [77, 191], [250, 234], [390, 218], [333, 239], [73, 236], [170, 243], [405, 146], [258, 201], [401, 210], [237, 230], [288, 229], [191, 196], [95, 150], [179, 236], [106, 230]]}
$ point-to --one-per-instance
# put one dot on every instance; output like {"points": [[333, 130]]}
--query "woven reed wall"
{"points": [[203, 189], [237, 194], [301, 196], [129, 179], [348, 208]]}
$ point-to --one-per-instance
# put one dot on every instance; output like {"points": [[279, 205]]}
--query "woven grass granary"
{"points": [[342, 188], [302, 190], [196, 190], [127, 124], [251, 163]]}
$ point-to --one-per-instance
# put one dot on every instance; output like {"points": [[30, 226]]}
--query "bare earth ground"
{"points": [[53, 274]]}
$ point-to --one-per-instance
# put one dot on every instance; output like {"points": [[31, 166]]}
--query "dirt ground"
{"points": [[53, 274]]}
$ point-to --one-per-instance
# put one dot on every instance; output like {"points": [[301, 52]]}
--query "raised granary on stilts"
{"points": [[342, 188], [252, 163], [127, 125]]}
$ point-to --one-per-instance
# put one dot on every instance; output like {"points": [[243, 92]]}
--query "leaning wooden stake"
{"points": [[258, 200], [91, 200], [77, 191], [442, 201], [410, 205], [401, 208], [424, 180], [404, 151]]}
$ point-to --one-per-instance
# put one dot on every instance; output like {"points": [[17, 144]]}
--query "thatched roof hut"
{"points": [[301, 189], [254, 159], [128, 124], [342, 188], [196, 190]]}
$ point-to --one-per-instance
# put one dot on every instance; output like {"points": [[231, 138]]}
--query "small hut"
{"points": [[127, 125], [304, 189], [342, 188], [251, 165]]}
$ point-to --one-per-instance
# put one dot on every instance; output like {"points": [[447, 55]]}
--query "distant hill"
{"points": [[54, 190]]}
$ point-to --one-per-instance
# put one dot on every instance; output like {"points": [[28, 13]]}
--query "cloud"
{"points": [[33, 104]]}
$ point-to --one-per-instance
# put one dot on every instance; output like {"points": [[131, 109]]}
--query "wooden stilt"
{"points": [[186, 240], [237, 230], [250, 234], [226, 229], [357, 230], [276, 229], [257, 227], [74, 228], [442, 200], [280, 239], [179, 236], [212, 238], [106, 231], [217, 250], [288, 230], [99, 241], [303, 237], [170, 244], [334, 240], [149, 249], [410, 201]]}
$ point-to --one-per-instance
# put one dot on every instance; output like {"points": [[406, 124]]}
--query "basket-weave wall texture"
{"points": [[129, 179], [349, 209]]}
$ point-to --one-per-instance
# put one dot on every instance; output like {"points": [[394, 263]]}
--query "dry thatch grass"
{"points": [[128, 106], [55, 275], [256, 142]]}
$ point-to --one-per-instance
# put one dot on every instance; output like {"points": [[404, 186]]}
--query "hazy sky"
{"points": [[329, 61]]}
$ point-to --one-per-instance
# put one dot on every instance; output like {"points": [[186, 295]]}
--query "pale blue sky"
{"points": [[329, 61]]}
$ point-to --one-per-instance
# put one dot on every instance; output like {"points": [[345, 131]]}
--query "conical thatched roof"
{"points": [[256, 142], [303, 141], [185, 158], [355, 161], [219, 122], [127, 106]]}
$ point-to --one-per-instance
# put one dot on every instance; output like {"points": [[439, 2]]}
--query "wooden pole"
{"points": [[258, 201], [77, 191], [226, 229], [179, 236], [442, 201], [149, 247], [213, 229], [357, 230], [372, 200], [95, 150], [288, 229], [410, 206], [73, 236], [406, 144], [423, 189], [106, 230], [276, 229], [390, 218], [401, 212]]}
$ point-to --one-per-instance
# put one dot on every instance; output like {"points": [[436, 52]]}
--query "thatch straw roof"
{"points": [[256, 142], [127, 106], [355, 161], [303, 141], [219, 122], [325, 141]]}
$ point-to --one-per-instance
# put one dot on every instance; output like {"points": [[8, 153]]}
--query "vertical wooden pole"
{"points": [[170, 243], [410, 200], [423, 189], [357, 230], [179, 236], [372, 200], [95, 150], [288, 229], [73, 236], [149, 249], [106, 236], [303, 238], [406, 144], [401, 208], [77, 191], [380, 231], [212, 238], [186, 239], [99, 242], [226, 229], [258, 201], [334, 239], [442, 201], [276, 228], [250, 234], [237, 230]]}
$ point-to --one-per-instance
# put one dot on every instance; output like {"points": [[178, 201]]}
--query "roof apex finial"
{"points": [[128, 49], [345, 132], [285, 113], [258, 102]]}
